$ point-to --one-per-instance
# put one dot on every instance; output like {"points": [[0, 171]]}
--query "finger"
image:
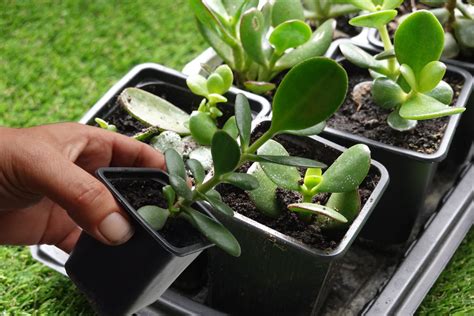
{"points": [[86, 199]]}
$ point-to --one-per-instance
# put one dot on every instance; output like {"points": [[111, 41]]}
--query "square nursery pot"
{"points": [[411, 172], [120, 280], [168, 84], [277, 274]]}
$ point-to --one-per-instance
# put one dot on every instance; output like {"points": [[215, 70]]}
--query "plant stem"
{"points": [[259, 142], [387, 45], [450, 6]]}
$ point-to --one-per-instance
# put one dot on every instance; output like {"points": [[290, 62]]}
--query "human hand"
{"points": [[47, 187]]}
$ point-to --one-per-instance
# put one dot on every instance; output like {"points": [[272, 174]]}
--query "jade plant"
{"points": [[258, 44], [341, 179], [319, 11], [408, 77], [308, 94], [457, 19]]}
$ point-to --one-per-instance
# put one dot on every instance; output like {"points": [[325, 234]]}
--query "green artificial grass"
{"points": [[56, 59]]}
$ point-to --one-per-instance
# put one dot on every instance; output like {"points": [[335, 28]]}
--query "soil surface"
{"points": [[176, 231], [288, 222], [359, 115]]}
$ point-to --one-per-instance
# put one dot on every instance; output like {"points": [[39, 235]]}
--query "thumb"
{"points": [[87, 201]]}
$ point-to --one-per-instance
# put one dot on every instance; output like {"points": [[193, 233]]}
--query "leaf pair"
{"points": [[218, 83]]}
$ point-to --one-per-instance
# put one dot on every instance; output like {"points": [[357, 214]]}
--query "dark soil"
{"points": [[176, 231], [371, 120], [288, 222]]}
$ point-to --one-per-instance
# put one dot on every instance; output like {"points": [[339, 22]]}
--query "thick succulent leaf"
{"points": [[214, 231], [210, 19], [348, 170], [289, 34], [167, 140], [197, 84], [374, 19], [443, 93], [264, 197], [243, 117], [419, 40], [442, 14], [431, 75], [387, 93], [202, 127], [196, 169], [175, 164], [385, 54], [310, 131], [259, 87], [230, 127], [214, 194], [169, 194], [451, 47], [346, 203], [464, 31], [317, 45], [203, 155], [241, 180], [236, 7], [309, 94], [395, 121], [284, 176], [361, 58], [423, 107], [434, 3], [409, 76], [287, 161], [285, 10], [154, 216], [252, 35], [154, 111], [217, 204], [213, 39], [215, 84], [225, 153], [391, 4], [312, 177], [317, 209], [226, 75], [181, 187], [367, 5]]}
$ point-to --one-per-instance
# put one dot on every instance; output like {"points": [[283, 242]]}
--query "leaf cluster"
{"points": [[260, 43]]}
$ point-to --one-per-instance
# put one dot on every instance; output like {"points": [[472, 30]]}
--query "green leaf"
{"points": [[103, 124], [214, 194], [409, 76], [362, 59], [464, 31], [153, 110], [283, 176], [197, 84], [287, 161], [154, 216], [252, 34], [309, 94], [312, 177], [175, 164], [317, 209], [213, 39], [196, 169], [234, 7], [367, 5], [241, 180], [181, 187], [419, 40], [423, 107], [202, 127], [375, 19], [225, 153], [243, 117], [310, 131], [442, 92], [348, 170], [347, 204], [226, 75], [391, 4], [431, 75], [451, 47], [317, 45], [400, 124], [264, 197], [167, 140], [169, 194], [215, 84], [385, 54], [214, 231], [442, 14], [230, 127], [387, 93], [285, 10], [289, 34], [217, 204], [259, 87]]}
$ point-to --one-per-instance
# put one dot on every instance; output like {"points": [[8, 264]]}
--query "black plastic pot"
{"points": [[411, 172], [120, 280], [277, 274]]}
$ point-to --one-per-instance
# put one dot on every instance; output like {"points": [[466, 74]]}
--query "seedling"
{"points": [[408, 78], [341, 179], [258, 44], [309, 93], [457, 19]]}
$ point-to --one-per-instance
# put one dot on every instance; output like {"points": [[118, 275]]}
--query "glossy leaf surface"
{"points": [[217, 204], [175, 164], [196, 169], [264, 197], [374, 19], [202, 127], [310, 131], [395, 121], [387, 94], [346, 203], [423, 107], [289, 34], [225, 153], [317, 209], [259, 87], [241, 180], [243, 117], [181, 187], [284, 10], [252, 35], [154, 216], [169, 194], [361, 58], [431, 75], [442, 92]]}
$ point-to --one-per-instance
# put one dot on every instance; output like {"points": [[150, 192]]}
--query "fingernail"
{"points": [[116, 229]]}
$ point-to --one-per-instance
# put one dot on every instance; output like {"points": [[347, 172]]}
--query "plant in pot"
{"points": [[123, 279], [393, 111], [258, 44]]}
